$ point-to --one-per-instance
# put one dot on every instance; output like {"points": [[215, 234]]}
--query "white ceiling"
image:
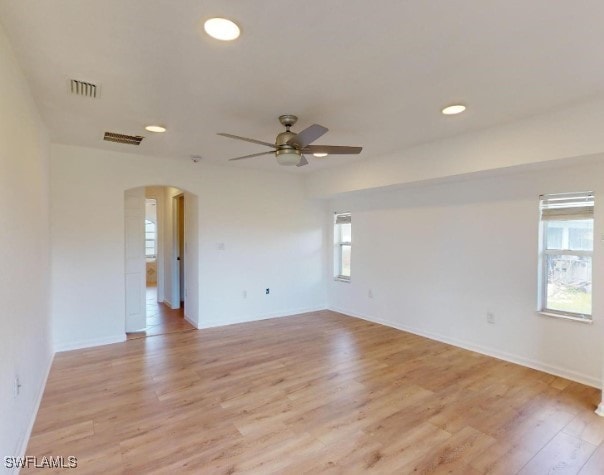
{"points": [[375, 73]]}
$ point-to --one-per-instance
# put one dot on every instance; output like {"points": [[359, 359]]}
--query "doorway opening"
{"points": [[159, 266]]}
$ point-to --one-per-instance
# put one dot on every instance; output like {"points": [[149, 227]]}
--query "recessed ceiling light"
{"points": [[320, 155], [454, 109], [155, 128], [222, 29]]}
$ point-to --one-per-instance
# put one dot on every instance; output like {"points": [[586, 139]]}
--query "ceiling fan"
{"points": [[289, 147]]}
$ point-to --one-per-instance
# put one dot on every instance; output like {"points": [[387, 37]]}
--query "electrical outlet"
{"points": [[370, 294], [490, 317], [268, 291], [245, 294]]}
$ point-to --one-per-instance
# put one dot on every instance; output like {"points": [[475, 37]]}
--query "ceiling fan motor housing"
{"points": [[283, 138]]}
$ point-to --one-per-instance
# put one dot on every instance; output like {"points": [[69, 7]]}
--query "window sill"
{"points": [[342, 279], [566, 317]]}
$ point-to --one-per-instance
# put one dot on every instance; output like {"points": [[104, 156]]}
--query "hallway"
{"points": [[161, 319]]}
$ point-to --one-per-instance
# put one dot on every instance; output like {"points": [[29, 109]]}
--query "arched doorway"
{"points": [[161, 253]]}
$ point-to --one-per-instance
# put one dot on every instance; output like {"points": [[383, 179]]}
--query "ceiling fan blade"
{"points": [[303, 161], [332, 149], [245, 139], [307, 136], [253, 155]]}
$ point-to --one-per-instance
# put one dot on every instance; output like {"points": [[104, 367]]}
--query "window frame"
{"points": [[153, 240], [339, 245], [544, 252]]}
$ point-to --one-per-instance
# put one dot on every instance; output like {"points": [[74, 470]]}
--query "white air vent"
{"points": [[122, 138], [83, 88]]}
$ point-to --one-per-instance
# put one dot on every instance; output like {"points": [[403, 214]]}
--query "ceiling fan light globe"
{"points": [[288, 158]]}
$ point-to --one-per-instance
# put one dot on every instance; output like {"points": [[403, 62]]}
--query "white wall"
{"points": [[438, 257], [191, 259], [272, 235], [24, 257]]}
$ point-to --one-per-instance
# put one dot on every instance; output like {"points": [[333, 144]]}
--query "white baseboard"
{"points": [[76, 345], [502, 355], [21, 452], [190, 320], [247, 319]]}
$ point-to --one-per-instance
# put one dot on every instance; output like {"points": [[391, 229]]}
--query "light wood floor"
{"points": [[161, 319], [316, 393]]}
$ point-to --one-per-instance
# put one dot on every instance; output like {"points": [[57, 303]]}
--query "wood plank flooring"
{"points": [[315, 393], [161, 319]]}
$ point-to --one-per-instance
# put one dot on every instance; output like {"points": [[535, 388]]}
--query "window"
{"points": [[151, 228], [150, 239], [343, 245], [567, 229]]}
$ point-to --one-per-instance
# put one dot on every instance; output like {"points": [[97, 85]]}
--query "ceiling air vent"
{"points": [[83, 88], [121, 138]]}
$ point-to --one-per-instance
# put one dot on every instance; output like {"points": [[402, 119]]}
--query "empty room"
{"points": [[278, 237]]}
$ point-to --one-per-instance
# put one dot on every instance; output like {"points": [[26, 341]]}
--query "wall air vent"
{"points": [[121, 138], [83, 88]]}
